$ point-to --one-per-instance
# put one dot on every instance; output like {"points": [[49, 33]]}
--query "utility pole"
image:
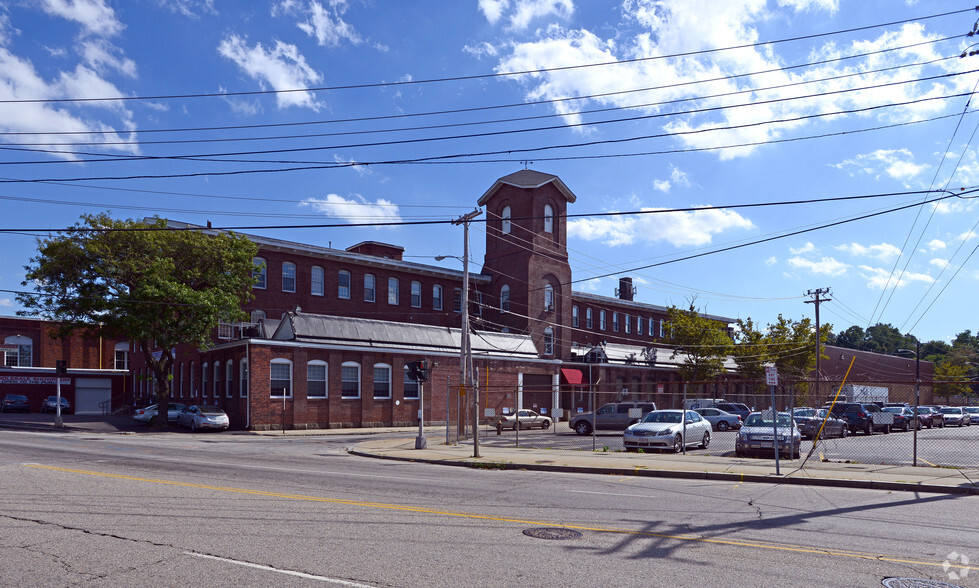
{"points": [[816, 300], [465, 351]]}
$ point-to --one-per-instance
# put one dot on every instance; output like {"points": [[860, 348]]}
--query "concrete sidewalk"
{"points": [[663, 465]]}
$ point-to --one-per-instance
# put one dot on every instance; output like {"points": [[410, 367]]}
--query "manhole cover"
{"points": [[916, 583], [552, 533]]}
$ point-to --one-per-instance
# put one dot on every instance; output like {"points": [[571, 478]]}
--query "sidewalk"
{"points": [[661, 465]]}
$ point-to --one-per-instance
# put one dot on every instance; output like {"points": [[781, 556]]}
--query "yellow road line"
{"points": [[419, 509]]}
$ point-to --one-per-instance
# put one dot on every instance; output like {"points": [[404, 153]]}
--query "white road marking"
{"points": [[279, 571]]}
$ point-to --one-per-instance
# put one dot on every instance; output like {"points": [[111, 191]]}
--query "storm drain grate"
{"points": [[916, 583], [552, 533]]}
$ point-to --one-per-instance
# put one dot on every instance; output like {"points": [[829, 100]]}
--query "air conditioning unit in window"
{"points": [[548, 308]]}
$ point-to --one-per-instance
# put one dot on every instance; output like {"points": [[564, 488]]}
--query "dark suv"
{"points": [[859, 417], [615, 416]]}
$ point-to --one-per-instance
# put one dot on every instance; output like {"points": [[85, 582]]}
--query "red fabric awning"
{"points": [[572, 376]]}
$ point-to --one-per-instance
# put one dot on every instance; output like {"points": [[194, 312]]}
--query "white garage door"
{"points": [[89, 392]]}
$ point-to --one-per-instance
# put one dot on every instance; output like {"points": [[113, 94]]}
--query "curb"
{"points": [[685, 475]]}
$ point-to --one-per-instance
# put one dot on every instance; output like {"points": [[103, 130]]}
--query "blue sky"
{"points": [[683, 104]]}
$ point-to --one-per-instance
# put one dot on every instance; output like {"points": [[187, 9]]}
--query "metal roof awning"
{"points": [[572, 376]]}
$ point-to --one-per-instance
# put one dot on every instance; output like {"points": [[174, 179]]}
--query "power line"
{"points": [[483, 76]]}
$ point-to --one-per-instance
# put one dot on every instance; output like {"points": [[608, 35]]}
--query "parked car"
{"points": [[50, 404], [664, 429], [930, 417], [615, 416], [811, 420], [525, 419], [759, 431], [148, 415], [861, 417], [973, 414], [903, 417], [198, 417], [15, 403], [955, 415], [720, 420], [737, 408]]}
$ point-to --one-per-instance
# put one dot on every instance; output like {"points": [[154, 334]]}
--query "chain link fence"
{"points": [[869, 422]]}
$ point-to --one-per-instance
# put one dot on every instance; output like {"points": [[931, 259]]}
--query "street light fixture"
{"points": [[917, 398]]}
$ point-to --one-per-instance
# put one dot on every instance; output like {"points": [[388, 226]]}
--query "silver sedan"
{"points": [[665, 429]]}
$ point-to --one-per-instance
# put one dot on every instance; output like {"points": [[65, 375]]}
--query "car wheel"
{"points": [[152, 421], [517, 426], [193, 426], [844, 432], [706, 442], [545, 425], [582, 428], [887, 429], [723, 426], [677, 444], [869, 429]]}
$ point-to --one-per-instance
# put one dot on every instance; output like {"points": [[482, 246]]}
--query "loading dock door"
{"points": [[89, 392]]}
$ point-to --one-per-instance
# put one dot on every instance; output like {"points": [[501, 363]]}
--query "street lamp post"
{"points": [[917, 398]]}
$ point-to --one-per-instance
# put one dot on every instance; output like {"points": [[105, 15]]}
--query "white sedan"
{"points": [[665, 429], [525, 419], [202, 416], [148, 415]]}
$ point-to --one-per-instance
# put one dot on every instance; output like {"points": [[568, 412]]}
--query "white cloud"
{"points": [[830, 6], [968, 236], [879, 278], [6, 302], [677, 228], [678, 177], [189, 8], [100, 54], [938, 262], [360, 168], [954, 206], [804, 249], [484, 49], [95, 16], [827, 266], [281, 67], [936, 245], [771, 260], [592, 285], [328, 26], [525, 11], [881, 251], [355, 210], [493, 9], [894, 163], [661, 185]]}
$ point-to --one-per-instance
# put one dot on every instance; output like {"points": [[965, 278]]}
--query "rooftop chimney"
{"points": [[625, 291]]}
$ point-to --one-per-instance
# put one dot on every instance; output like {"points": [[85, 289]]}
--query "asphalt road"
{"points": [[947, 446], [235, 509]]}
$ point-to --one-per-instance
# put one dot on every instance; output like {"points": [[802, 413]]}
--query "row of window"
{"points": [[217, 380], [623, 322], [505, 215]]}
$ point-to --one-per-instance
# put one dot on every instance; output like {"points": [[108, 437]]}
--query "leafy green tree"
{"points": [[951, 379], [702, 343], [749, 350], [156, 286]]}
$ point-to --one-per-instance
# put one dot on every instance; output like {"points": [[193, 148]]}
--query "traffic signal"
{"points": [[60, 366], [412, 368], [423, 370]]}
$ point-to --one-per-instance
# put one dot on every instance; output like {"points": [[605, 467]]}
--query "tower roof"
{"points": [[529, 179]]}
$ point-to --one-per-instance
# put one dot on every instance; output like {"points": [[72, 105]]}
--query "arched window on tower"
{"points": [[548, 218], [548, 297], [505, 220]]}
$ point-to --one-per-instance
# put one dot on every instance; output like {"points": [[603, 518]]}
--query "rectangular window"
{"points": [[122, 359], [589, 319], [316, 380], [574, 316], [204, 381], [229, 379], [478, 310], [548, 341], [226, 331], [350, 380], [639, 325], [393, 294], [281, 384], [416, 294], [652, 327], [457, 300], [437, 297], [601, 320], [217, 380], [288, 276], [343, 285], [368, 288], [317, 285], [627, 322], [615, 322], [190, 371], [259, 273], [382, 381], [243, 379], [410, 388]]}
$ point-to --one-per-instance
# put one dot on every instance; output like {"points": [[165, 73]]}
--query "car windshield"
{"points": [[950, 410], [663, 417], [804, 412], [758, 420], [894, 409], [972, 410]]}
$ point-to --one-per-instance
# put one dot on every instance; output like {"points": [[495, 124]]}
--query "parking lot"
{"points": [[947, 446]]}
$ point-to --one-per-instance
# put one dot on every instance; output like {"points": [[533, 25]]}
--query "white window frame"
{"points": [[589, 319], [410, 388], [24, 356], [548, 218], [639, 321], [416, 294], [243, 378], [505, 227], [344, 282], [370, 288], [217, 380], [505, 298], [437, 297], [652, 327], [575, 320], [275, 362], [124, 349], [343, 373], [394, 291], [261, 274], [317, 281], [318, 363], [548, 341], [204, 371], [288, 273], [382, 368], [229, 375], [627, 323], [457, 300], [615, 322], [602, 320], [548, 297]]}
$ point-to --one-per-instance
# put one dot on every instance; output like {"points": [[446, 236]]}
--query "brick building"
{"points": [[331, 330], [97, 377]]}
